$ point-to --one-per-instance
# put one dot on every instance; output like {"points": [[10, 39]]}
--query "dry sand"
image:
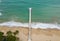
{"points": [[36, 34]]}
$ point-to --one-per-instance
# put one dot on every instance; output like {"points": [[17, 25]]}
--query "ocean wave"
{"points": [[33, 25]]}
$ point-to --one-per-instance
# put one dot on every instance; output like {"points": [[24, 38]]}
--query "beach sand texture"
{"points": [[36, 34]]}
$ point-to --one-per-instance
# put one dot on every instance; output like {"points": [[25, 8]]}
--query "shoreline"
{"points": [[33, 25]]}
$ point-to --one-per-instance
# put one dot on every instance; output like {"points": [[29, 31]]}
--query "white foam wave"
{"points": [[0, 13], [12, 23], [33, 25]]}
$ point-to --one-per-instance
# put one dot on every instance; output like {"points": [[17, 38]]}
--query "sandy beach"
{"points": [[36, 34]]}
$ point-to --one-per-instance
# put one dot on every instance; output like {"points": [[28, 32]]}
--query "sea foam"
{"points": [[33, 24]]}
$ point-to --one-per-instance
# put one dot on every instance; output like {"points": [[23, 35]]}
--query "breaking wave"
{"points": [[33, 24]]}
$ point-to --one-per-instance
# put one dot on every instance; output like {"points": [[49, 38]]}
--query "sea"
{"points": [[43, 11]]}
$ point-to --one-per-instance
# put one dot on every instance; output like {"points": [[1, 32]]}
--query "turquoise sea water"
{"points": [[42, 10]]}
